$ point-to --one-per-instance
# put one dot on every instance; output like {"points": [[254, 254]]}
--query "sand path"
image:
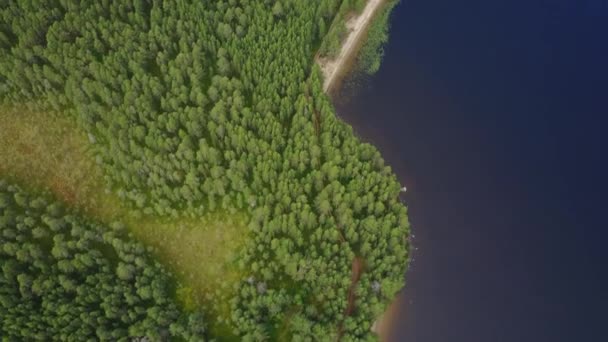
{"points": [[356, 27]]}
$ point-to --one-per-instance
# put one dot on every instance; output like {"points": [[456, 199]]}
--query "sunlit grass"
{"points": [[48, 152], [43, 151], [202, 254]]}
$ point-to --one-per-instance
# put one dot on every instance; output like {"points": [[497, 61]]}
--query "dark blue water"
{"points": [[493, 113]]}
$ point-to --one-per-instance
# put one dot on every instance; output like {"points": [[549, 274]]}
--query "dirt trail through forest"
{"points": [[357, 269], [356, 27]]}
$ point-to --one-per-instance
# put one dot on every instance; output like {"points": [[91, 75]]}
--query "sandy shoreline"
{"points": [[383, 324], [356, 27]]}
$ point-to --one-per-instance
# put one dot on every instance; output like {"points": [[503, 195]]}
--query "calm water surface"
{"points": [[493, 113]]}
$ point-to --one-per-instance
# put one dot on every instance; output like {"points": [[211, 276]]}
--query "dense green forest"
{"points": [[193, 108], [66, 278]]}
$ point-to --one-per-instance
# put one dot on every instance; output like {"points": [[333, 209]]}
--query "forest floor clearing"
{"points": [[47, 152], [356, 26]]}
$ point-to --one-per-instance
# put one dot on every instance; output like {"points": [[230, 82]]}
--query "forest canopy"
{"points": [[191, 108], [66, 278]]}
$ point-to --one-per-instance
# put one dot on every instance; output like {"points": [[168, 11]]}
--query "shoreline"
{"points": [[334, 69], [383, 326]]}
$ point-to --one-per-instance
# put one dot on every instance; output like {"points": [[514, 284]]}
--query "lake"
{"points": [[493, 114]]}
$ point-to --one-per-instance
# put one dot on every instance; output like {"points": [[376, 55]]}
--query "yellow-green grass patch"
{"points": [[42, 151], [48, 152], [202, 255]]}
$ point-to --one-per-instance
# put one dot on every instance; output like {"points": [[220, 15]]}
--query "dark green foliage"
{"points": [[199, 106], [167, 90], [64, 278]]}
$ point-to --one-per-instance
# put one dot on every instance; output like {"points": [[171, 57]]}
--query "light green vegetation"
{"points": [[49, 152], [202, 254], [202, 127], [333, 38], [371, 53]]}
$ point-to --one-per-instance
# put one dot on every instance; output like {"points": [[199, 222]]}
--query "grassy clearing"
{"points": [[42, 151], [202, 255]]}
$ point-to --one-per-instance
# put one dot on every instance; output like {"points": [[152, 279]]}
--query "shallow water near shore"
{"points": [[492, 114]]}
